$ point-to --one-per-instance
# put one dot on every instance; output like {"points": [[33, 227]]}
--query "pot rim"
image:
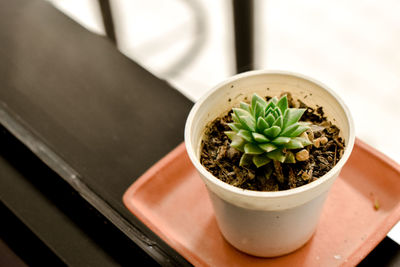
{"points": [[267, 194]]}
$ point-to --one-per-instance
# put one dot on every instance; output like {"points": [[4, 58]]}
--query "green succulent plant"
{"points": [[267, 131]]}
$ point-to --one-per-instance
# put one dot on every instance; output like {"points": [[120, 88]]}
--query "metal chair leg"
{"points": [[243, 32], [105, 9]]}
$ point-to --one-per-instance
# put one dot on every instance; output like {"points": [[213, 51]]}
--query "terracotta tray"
{"points": [[172, 201]]}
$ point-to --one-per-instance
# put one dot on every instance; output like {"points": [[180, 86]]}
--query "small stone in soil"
{"points": [[302, 155]]}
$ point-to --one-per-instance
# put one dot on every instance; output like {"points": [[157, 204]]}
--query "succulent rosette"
{"points": [[266, 131]]}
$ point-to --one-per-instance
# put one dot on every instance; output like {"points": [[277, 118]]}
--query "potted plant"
{"points": [[267, 223]]}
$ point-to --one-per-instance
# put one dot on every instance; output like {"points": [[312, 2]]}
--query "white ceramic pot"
{"points": [[267, 224]]}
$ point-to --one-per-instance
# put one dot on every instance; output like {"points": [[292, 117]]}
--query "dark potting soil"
{"points": [[223, 161]]}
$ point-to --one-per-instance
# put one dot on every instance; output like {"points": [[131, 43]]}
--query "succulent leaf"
{"points": [[235, 126], [281, 140], [241, 112], [294, 144], [272, 132], [277, 155], [270, 119], [245, 160], [245, 118], [230, 134], [248, 123], [278, 112], [262, 124], [292, 115], [261, 160], [257, 99], [267, 147], [258, 110], [267, 130], [297, 143], [278, 122], [290, 158], [235, 118], [301, 129], [304, 141], [246, 135], [252, 149], [269, 106], [260, 138], [282, 104], [289, 130], [245, 106], [238, 143]]}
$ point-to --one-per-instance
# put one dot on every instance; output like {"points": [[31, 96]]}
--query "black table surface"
{"points": [[96, 121]]}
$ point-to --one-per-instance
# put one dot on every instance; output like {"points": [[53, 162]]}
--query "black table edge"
{"points": [[58, 165]]}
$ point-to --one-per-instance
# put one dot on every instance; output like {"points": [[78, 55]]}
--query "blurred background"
{"points": [[351, 46]]}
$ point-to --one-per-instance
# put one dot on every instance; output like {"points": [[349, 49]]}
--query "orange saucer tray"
{"points": [[172, 201]]}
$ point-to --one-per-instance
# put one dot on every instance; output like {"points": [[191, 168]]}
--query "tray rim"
{"points": [[392, 218], [368, 244]]}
